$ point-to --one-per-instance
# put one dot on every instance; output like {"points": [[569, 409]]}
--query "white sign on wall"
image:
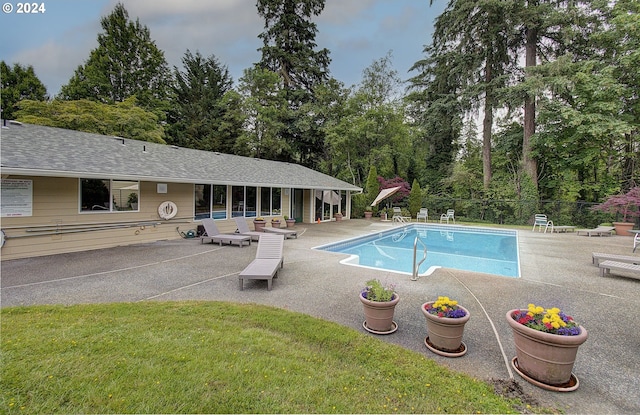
{"points": [[16, 198]]}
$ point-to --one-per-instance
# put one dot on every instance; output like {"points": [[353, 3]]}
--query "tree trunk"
{"points": [[487, 123], [529, 163]]}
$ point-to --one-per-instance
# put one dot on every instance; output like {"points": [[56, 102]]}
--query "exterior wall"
{"points": [[56, 225]]}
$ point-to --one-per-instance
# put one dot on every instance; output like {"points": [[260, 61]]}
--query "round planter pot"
{"points": [[445, 334], [379, 315], [368, 215], [544, 357], [338, 217], [291, 223], [275, 224], [259, 225], [623, 228]]}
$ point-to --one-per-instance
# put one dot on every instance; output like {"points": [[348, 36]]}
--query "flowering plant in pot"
{"points": [[379, 302], [258, 224], [445, 326], [547, 342], [627, 205], [290, 221]]}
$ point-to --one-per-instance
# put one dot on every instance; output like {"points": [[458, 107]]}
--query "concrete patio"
{"points": [[556, 271]]}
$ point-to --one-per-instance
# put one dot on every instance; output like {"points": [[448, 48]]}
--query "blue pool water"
{"points": [[471, 249]]}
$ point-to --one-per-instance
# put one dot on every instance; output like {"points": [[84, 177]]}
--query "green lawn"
{"points": [[206, 357]]}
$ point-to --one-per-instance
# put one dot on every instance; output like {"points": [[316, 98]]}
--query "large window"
{"points": [[244, 201], [98, 195], [270, 201], [210, 201]]}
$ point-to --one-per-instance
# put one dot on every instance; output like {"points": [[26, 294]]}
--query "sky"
{"points": [[60, 37]]}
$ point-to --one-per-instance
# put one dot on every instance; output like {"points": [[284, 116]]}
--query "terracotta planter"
{"points": [[368, 214], [379, 315], [623, 228], [259, 225], [291, 223], [445, 334], [544, 357], [338, 217], [275, 223]]}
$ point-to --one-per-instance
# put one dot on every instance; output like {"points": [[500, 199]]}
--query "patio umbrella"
{"points": [[385, 193], [328, 196]]}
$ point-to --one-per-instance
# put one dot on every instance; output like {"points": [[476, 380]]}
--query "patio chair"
{"points": [[449, 215], [636, 240], [423, 214], [243, 229], [269, 259], [600, 231], [541, 220], [212, 233], [397, 216]]}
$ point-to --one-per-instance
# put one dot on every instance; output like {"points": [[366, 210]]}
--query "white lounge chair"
{"points": [[596, 257], [607, 266], [423, 214], [243, 229], [636, 240], [600, 231], [449, 215], [287, 233], [212, 233], [269, 259]]}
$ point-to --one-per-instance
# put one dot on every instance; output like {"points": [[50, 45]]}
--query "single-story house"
{"points": [[65, 191]]}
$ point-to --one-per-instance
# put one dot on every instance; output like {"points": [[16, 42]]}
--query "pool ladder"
{"points": [[416, 265]]}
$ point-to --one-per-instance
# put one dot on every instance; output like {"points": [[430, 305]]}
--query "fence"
{"points": [[521, 212]]}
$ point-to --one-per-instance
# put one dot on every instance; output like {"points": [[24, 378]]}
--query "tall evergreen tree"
{"points": [[476, 30], [125, 63], [289, 49], [18, 83], [436, 110], [197, 111], [547, 29]]}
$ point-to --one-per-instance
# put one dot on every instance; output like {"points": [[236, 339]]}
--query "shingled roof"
{"points": [[34, 150]]}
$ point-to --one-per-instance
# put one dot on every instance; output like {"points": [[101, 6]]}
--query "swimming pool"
{"points": [[491, 251]]}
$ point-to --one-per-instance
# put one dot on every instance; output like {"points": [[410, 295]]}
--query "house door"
{"points": [[297, 200]]}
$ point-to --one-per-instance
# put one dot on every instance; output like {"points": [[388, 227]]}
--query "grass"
{"points": [[216, 357]]}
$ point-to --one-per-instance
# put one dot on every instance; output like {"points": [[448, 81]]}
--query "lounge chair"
{"points": [[243, 229], [560, 229], [449, 215], [397, 216], [607, 266], [287, 233], [423, 214], [212, 233], [636, 240], [600, 231], [269, 259], [596, 257]]}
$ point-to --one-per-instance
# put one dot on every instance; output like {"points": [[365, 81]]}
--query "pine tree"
{"points": [[197, 109], [289, 50]]}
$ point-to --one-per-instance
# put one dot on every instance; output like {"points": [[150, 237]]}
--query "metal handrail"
{"points": [[416, 266]]}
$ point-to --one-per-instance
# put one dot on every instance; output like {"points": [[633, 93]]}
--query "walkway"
{"points": [[556, 271]]}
